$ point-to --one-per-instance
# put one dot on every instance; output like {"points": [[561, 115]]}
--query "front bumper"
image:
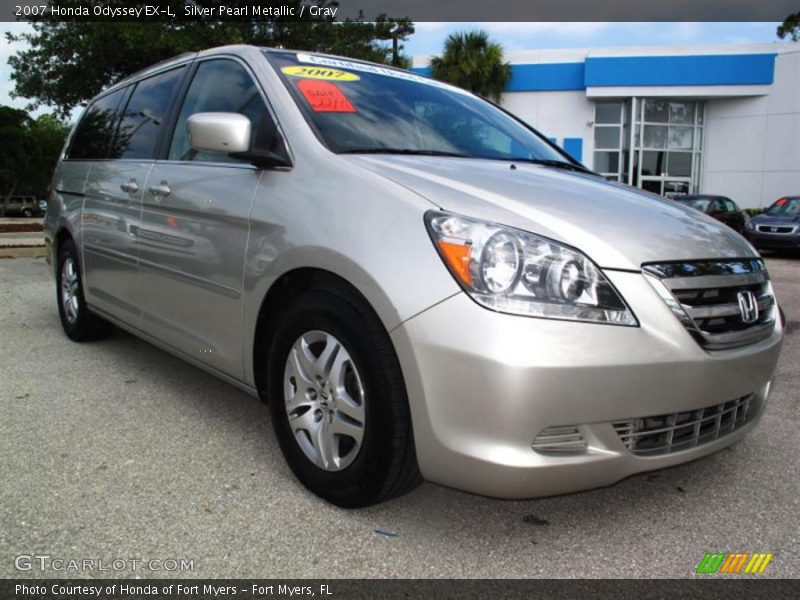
{"points": [[774, 241], [482, 385]]}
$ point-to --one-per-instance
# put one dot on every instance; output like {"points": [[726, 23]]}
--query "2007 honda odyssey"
{"points": [[419, 284]]}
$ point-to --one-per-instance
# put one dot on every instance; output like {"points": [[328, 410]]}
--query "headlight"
{"points": [[749, 225], [516, 272]]}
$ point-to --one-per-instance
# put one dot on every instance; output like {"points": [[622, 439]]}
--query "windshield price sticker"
{"points": [[323, 96], [320, 73]]}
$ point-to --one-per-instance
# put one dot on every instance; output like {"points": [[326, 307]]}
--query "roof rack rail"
{"points": [[158, 64]]}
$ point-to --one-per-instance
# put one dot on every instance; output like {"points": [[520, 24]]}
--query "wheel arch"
{"points": [[289, 285], [59, 238]]}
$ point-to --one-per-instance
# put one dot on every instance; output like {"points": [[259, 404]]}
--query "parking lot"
{"points": [[118, 450]]}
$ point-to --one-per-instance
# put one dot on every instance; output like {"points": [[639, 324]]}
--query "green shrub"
{"points": [[752, 212]]}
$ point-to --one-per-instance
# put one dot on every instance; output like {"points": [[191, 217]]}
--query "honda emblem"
{"points": [[748, 306]]}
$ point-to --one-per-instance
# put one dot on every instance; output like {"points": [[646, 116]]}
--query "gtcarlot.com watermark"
{"points": [[46, 562]]}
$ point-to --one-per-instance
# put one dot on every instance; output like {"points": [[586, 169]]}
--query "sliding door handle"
{"points": [[129, 187], [160, 191]]}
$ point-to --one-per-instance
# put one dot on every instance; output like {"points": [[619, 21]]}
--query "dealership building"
{"points": [[678, 119]]}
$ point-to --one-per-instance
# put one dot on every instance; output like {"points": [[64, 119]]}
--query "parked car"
{"points": [[420, 284], [779, 227], [721, 208], [22, 206]]}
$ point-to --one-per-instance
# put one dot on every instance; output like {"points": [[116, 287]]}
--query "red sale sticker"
{"points": [[324, 96]]}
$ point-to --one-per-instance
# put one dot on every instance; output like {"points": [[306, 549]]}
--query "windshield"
{"points": [[785, 206], [359, 107], [698, 203]]}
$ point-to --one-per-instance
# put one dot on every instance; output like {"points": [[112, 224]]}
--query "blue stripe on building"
{"points": [[574, 147], [633, 71], [547, 77], [722, 69]]}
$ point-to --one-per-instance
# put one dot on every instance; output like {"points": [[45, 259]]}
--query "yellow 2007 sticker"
{"points": [[325, 73]]}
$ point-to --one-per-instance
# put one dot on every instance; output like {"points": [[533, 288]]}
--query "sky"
{"points": [[430, 37]]}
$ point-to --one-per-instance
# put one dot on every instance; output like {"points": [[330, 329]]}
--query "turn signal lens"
{"points": [[457, 257]]}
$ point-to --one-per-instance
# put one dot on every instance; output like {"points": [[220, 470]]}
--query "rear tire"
{"points": [[78, 322], [384, 464]]}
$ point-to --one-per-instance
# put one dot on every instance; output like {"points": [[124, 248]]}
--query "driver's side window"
{"points": [[219, 85]]}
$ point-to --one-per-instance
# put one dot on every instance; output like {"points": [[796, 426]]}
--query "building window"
{"points": [[663, 150], [610, 132]]}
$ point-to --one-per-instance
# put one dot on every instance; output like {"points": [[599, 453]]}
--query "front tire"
{"points": [[78, 323], [338, 400]]}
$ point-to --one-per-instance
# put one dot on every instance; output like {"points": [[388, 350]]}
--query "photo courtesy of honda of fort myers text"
{"points": [[409, 300]]}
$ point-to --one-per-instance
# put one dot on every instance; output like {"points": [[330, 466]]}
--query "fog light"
{"points": [[560, 441]]}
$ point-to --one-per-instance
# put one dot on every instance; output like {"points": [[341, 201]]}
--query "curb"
{"points": [[23, 251]]}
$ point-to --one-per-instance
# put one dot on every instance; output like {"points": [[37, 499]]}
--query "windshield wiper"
{"points": [[408, 151], [549, 162]]}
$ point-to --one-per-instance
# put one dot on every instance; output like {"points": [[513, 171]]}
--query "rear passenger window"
{"points": [[220, 85], [92, 139], [146, 114]]}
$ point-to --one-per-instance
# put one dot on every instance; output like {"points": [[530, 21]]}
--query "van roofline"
{"points": [[230, 48], [156, 67]]}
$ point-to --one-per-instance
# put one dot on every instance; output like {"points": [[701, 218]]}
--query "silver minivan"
{"points": [[418, 283]]}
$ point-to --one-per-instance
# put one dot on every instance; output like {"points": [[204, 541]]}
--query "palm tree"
{"points": [[473, 62]]}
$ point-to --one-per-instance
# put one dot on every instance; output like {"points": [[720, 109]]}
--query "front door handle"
{"points": [[160, 191], [130, 187]]}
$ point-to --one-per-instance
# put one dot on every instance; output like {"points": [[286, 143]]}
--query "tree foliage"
{"points": [[790, 27], [473, 62], [29, 151], [69, 62]]}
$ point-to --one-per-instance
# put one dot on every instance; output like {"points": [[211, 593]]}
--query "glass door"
{"points": [[667, 143]]}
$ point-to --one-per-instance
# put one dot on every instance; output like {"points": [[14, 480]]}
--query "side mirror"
{"points": [[219, 132], [267, 150], [267, 159]]}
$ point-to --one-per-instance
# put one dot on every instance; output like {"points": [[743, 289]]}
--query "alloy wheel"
{"points": [[324, 399], [69, 289]]}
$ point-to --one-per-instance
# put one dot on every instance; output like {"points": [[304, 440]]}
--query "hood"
{"points": [[781, 219], [617, 226]]}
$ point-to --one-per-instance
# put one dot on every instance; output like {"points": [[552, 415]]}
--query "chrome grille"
{"points": [[664, 434], [723, 304], [775, 229]]}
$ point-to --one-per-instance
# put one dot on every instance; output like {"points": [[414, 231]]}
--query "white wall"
{"points": [[752, 147]]}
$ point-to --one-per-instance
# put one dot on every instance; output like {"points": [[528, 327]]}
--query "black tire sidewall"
{"points": [[364, 479], [77, 330]]}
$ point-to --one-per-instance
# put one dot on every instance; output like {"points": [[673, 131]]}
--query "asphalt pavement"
{"points": [[117, 450]]}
